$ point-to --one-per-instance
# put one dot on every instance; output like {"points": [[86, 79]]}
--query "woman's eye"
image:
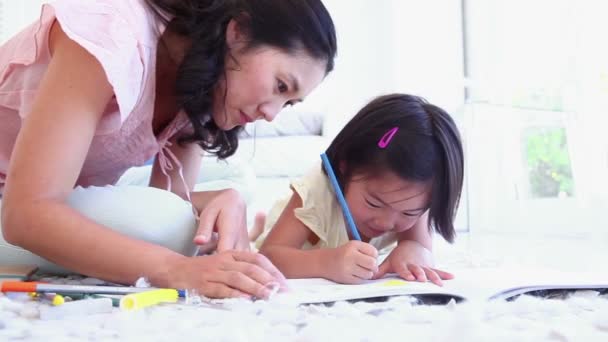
{"points": [[282, 87], [289, 104]]}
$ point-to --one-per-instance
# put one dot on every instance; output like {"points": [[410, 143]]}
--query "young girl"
{"points": [[93, 88], [399, 163]]}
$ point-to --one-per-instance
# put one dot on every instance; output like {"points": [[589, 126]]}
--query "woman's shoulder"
{"points": [[122, 35], [111, 19]]}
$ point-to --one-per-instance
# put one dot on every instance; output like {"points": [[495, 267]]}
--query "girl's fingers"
{"points": [[443, 274], [383, 269], [403, 271], [367, 249], [418, 273], [433, 276], [362, 273], [368, 263]]}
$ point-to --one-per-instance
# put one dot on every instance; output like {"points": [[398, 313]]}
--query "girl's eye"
{"points": [[282, 87], [289, 104], [372, 204], [409, 214]]}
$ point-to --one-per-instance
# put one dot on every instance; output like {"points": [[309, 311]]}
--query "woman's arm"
{"points": [[46, 161], [223, 211], [48, 156]]}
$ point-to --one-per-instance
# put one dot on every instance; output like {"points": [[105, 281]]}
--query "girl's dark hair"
{"points": [[289, 25], [426, 147]]}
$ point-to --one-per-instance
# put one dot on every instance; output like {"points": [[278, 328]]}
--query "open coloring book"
{"points": [[470, 284]]}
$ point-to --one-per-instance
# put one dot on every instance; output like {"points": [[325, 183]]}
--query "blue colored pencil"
{"points": [[350, 223]]}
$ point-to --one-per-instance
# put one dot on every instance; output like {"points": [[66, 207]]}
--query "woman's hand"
{"points": [[226, 274], [225, 214], [411, 261]]}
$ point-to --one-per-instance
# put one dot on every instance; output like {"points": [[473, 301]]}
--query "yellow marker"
{"points": [[140, 300], [58, 300], [394, 282]]}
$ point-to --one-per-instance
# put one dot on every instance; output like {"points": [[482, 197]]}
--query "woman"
{"points": [[94, 88]]}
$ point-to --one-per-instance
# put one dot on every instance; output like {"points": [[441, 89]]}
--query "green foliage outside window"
{"points": [[548, 161]]}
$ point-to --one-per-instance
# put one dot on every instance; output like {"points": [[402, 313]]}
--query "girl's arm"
{"points": [[413, 259], [419, 233], [284, 242]]}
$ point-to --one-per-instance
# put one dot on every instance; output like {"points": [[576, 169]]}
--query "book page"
{"points": [[503, 283], [469, 284], [316, 290]]}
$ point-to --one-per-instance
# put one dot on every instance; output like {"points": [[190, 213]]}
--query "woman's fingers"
{"points": [[221, 290], [244, 243], [244, 283], [205, 226], [261, 261], [232, 231]]}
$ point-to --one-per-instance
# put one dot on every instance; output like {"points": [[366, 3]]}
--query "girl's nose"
{"points": [[385, 222]]}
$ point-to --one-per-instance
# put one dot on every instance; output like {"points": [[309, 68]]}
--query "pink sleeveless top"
{"points": [[123, 36]]}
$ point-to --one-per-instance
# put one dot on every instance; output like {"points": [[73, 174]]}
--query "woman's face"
{"points": [[261, 81]]}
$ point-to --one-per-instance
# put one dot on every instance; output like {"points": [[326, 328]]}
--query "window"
{"points": [[537, 76]]}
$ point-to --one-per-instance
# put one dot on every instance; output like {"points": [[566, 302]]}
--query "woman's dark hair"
{"points": [[426, 147], [289, 25]]}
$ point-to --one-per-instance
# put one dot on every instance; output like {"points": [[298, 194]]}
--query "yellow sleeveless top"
{"points": [[320, 212]]}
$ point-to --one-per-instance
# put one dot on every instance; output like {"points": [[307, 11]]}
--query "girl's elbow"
{"points": [[268, 251], [264, 250]]}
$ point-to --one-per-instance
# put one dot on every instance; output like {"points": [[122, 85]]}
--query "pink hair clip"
{"points": [[387, 137]]}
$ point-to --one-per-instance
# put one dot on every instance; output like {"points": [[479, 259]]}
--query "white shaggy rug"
{"points": [[581, 316]]}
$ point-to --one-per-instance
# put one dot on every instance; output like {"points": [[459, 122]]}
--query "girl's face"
{"points": [[261, 81], [386, 203]]}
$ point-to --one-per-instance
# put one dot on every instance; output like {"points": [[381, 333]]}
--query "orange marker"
{"points": [[21, 286]]}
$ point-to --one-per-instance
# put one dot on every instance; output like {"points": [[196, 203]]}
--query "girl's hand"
{"points": [[352, 263], [226, 274], [225, 214], [411, 261]]}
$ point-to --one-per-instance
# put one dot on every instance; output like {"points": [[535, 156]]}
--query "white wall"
{"points": [[383, 46], [16, 15], [392, 46]]}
